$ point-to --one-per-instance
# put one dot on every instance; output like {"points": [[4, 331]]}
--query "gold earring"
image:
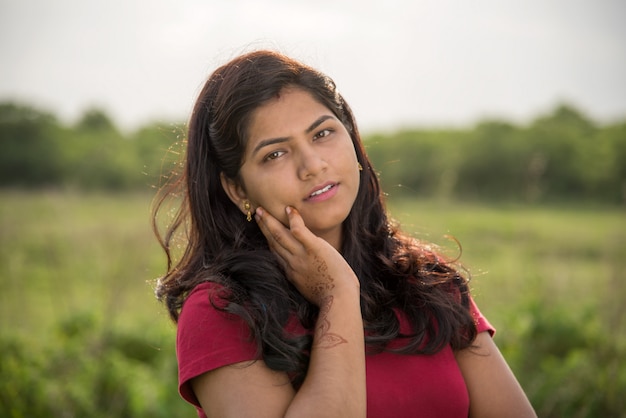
{"points": [[246, 206], [360, 167]]}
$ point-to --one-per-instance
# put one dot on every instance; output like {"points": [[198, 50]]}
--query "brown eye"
{"points": [[322, 134], [273, 155]]}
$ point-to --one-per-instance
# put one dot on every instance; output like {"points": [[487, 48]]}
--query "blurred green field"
{"points": [[64, 253], [82, 335]]}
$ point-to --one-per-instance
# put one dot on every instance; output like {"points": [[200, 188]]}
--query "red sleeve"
{"points": [[208, 338], [482, 324]]}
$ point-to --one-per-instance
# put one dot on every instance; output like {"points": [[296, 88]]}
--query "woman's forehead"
{"points": [[291, 112]]}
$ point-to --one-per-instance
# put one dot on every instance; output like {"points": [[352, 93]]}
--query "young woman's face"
{"points": [[299, 154]]}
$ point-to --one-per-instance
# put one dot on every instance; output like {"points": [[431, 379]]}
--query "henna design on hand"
{"points": [[323, 338], [326, 282]]}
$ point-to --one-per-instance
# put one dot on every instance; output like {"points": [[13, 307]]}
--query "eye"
{"points": [[323, 133], [273, 155]]}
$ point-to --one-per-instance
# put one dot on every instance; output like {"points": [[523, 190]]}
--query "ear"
{"points": [[234, 191]]}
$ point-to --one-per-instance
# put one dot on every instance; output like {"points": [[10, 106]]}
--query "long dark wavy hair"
{"points": [[396, 272]]}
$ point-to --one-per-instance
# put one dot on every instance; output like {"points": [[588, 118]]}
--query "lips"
{"points": [[321, 190]]}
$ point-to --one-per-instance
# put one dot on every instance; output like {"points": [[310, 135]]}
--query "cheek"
{"points": [[275, 208], [270, 199], [348, 152], [349, 161], [280, 215]]}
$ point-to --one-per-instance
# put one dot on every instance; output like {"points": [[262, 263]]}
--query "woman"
{"points": [[295, 295]]}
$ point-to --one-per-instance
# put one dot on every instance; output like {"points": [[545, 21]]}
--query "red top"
{"points": [[397, 385]]}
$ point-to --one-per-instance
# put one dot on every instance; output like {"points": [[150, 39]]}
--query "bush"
{"points": [[87, 370], [568, 364]]}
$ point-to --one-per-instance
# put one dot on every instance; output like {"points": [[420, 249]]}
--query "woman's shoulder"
{"points": [[205, 320], [480, 321], [209, 337], [206, 296]]}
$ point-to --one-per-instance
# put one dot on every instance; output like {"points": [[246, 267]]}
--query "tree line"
{"points": [[42, 152], [561, 155]]}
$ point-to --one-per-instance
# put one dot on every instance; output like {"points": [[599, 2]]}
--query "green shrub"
{"points": [[567, 362], [87, 370]]}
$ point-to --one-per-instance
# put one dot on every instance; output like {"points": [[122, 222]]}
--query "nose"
{"points": [[311, 163]]}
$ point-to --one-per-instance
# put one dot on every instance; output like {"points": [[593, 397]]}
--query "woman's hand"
{"points": [[336, 373], [316, 268], [334, 385]]}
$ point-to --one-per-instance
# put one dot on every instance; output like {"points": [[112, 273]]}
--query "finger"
{"points": [[298, 228], [278, 237], [264, 221]]}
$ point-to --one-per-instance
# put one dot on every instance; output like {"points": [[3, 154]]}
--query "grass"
{"points": [[62, 253], [549, 278], [550, 254]]}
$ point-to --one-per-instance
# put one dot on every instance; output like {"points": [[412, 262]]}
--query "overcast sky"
{"points": [[397, 62]]}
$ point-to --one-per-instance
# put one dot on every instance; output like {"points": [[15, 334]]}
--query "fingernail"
{"points": [[259, 212], [288, 210]]}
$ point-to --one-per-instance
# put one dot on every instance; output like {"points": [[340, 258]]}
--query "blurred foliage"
{"points": [[87, 370], [81, 334], [566, 360], [559, 156], [39, 151]]}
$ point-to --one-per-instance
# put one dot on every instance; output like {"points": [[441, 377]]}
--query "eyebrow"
{"points": [[271, 141]]}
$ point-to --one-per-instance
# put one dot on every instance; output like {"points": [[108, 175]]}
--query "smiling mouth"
{"points": [[322, 190]]}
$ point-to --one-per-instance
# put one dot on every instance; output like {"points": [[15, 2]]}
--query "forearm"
{"points": [[335, 381]]}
